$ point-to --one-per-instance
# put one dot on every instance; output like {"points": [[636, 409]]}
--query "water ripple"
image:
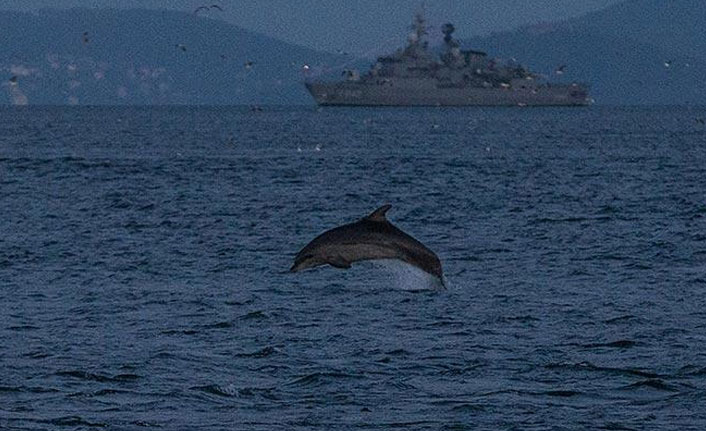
{"points": [[143, 262]]}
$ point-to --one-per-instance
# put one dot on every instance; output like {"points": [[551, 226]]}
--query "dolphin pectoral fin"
{"points": [[339, 262]]}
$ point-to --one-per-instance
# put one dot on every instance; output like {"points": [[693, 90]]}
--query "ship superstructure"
{"points": [[416, 76]]}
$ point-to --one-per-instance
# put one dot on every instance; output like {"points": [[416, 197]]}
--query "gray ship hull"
{"points": [[420, 93]]}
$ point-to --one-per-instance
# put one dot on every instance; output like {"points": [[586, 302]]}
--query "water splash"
{"points": [[408, 277]]}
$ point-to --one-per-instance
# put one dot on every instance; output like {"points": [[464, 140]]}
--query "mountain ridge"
{"points": [[137, 56], [620, 56], [148, 56]]}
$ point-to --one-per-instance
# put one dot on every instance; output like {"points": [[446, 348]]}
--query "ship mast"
{"points": [[419, 27], [417, 46]]}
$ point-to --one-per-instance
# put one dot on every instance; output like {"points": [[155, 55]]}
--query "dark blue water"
{"points": [[143, 258]]}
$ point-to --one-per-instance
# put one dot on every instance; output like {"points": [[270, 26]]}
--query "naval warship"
{"points": [[416, 76]]}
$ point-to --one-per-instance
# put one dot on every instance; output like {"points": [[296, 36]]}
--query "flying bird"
{"points": [[249, 64], [181, 46], [206, 8], [371, 238], [668, 63], [13, 80], [560, 70], [85, 37]]}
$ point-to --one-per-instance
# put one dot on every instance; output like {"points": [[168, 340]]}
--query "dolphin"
{"points": [[371, 238]]}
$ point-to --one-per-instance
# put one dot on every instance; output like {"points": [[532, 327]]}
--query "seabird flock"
{"points": [[86, 38]]}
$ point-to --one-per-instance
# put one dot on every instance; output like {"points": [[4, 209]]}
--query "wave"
{"points": [[72, 421], [619, 344], [26, 389], [562, 393], [254, 315], [589, 367], [231, 391], [657, 384], [620, 319], [221, 391], [319, 378], [84, 375], [262, 353], [467, 407], [220, 325]]}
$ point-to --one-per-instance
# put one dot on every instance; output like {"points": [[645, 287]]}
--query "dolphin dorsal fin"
{"points": [[379, 214]]}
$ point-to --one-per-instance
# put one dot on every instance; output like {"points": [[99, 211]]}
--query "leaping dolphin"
{"points": [[370, 238]]}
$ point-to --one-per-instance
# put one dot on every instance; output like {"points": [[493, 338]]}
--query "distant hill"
{"points": [[636, 52], [674, 26], [104, 56], [98, 56]]}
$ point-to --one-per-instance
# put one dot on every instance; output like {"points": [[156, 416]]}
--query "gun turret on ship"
{"points": [[415, 76]]}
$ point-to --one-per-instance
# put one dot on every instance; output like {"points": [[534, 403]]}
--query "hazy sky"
{"points": [[357, 26]]}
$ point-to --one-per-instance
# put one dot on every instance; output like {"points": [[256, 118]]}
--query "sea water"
{"points": [[144, 256]]}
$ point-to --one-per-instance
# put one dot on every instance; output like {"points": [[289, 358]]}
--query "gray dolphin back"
{"points": [[370, 238]]}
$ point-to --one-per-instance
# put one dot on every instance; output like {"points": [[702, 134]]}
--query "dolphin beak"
{"points": [[294, 268]]}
